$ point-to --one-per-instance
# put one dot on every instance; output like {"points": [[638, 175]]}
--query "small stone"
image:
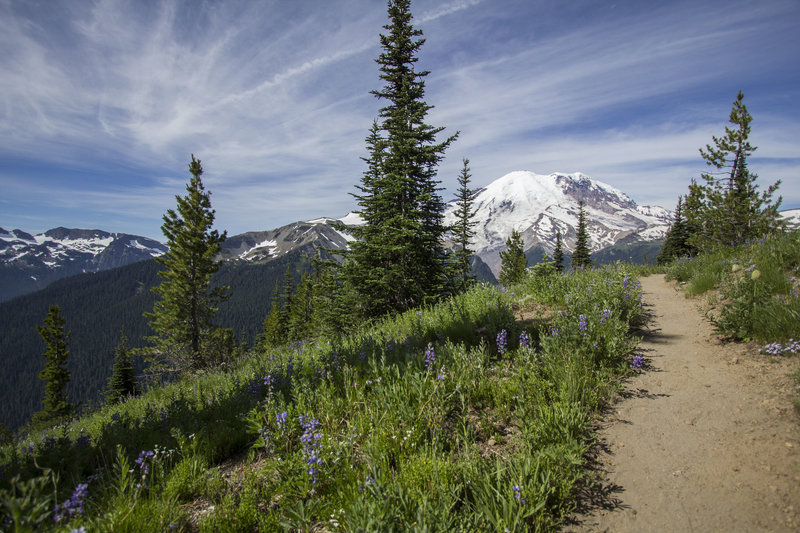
{"points": [[789, 445]]}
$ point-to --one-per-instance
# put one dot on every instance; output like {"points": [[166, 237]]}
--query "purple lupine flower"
{"points": [[280, 418], [518, 495], [583, 324], [312, 443], [524, 340], [606, 316], [141, 461], [430, 356], [72, 506], [555, 332], [637, 362], [441, 376], [502, 342]]}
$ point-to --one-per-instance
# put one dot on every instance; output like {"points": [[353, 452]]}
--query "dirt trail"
{"points": [[707, 439]]}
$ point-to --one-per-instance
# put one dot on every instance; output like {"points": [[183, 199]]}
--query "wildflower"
{"points": [[502, 342], [524, 340], [312, 444], [637, 362], [83, 441], [72, 506], [115, 417], [430, 356], [141, 461], [441, 375], [606, 316], [583, 324], [554, 332], [518, 495], [280, 418]]}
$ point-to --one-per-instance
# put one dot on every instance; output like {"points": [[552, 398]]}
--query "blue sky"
{"points": [[102, 103]]}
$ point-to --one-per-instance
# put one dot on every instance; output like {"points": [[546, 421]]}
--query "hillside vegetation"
{"points": [[752, 289], [472, 414]]}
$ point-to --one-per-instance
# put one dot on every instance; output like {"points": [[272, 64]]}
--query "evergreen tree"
{"points": [[274, 333], [462, 231], [300, 313], [558, 254], [513, 261], [182, 318], [333, 309], [581, 257], [733, 211], [122, 383], [398, 261], [676, 243], [55, 373]]}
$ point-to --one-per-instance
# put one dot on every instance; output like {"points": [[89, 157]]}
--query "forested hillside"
{"points": [[96, 308]]}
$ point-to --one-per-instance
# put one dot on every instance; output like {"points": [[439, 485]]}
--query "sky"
{"points": [[103, 103]]}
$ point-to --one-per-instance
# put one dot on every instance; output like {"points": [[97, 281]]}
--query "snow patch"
{"points": [[352, 219]]}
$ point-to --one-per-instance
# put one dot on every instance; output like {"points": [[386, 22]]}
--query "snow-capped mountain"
{"points": [[30, 262], [538, 206], [305, 236]]}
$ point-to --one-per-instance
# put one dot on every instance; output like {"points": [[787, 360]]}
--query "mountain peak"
{"points": [[541, 205]]}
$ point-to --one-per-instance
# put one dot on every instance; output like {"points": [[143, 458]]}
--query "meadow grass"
{"points": [[756, 287], [456, 416]]}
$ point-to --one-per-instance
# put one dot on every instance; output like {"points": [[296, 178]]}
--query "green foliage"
{"points": [[727, 209], [756, 283], [558, 254], [513, 262], [398, 261], [27, 506], [182, 317], [56, 406], [676, 243], [462, 231], [581, 257], [122, 382]]}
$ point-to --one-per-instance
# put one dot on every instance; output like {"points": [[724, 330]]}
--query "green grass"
{"points": [[757, 287], [421, 422]]}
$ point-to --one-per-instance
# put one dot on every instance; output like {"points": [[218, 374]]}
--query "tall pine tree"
{"points": [[581, 257], [732, 211], [55, 374], [513, 260], [462, 231], [398, 260], [558, 254], [182, 317]]}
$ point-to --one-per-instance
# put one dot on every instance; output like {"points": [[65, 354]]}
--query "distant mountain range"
{"points": [[31, 262], [536, 205]]}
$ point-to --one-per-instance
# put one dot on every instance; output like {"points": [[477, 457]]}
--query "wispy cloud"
{"points": [[114, 95]]}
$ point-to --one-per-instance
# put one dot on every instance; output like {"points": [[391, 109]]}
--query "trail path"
{"points": [[706, 439]]}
